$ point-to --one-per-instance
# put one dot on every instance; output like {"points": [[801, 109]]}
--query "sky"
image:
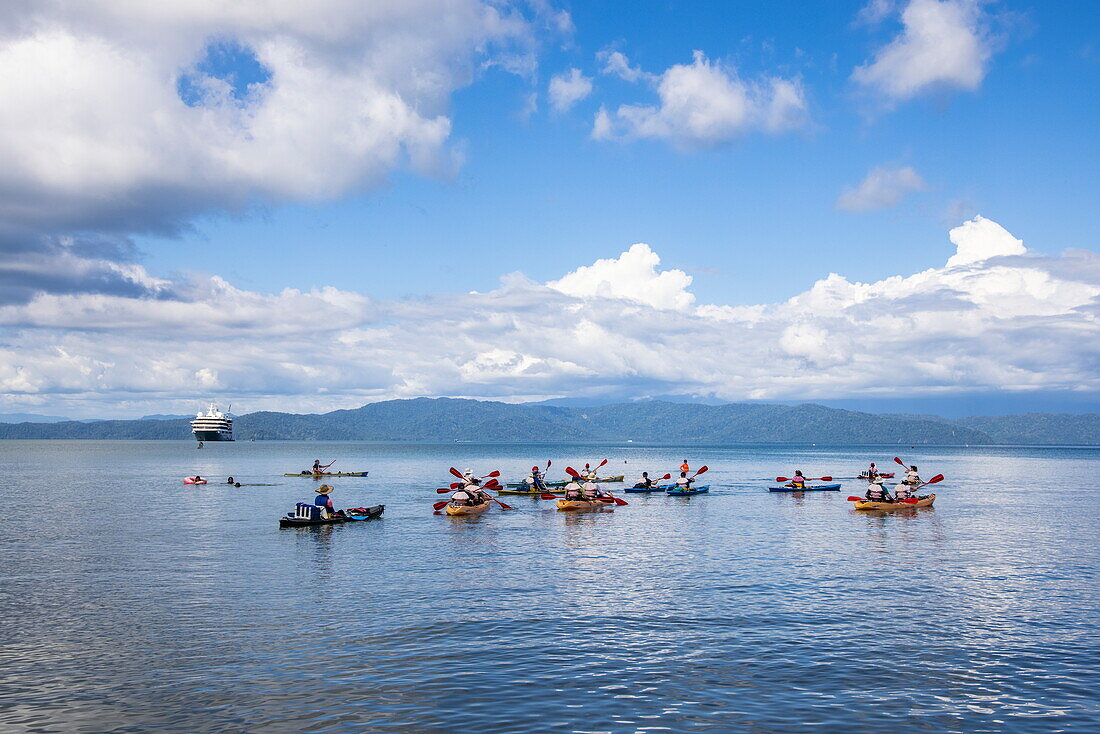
{"points": [[887, 205]]}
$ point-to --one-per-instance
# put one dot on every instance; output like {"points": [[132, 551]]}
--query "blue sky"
{"points": [[171, 173], [754, 216]]}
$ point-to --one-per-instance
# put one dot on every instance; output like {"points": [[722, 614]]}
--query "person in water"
{"points": [[229, 481], [324, 501], [798, 481], [684, 482], [200, 444], [876, 492]]}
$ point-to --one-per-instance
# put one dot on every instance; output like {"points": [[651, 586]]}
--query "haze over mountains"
{"points": [[448, 419]]}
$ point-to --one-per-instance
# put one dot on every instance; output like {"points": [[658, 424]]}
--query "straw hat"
{"points": [[323, 489]]}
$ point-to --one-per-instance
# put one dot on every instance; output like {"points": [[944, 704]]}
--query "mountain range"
{"points": [[654, 421]]}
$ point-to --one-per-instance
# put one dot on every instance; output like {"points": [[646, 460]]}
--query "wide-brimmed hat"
{"points": [[323, 489]]}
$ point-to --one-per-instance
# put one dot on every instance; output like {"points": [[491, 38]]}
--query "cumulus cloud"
{"points": [[116, 119], [617, 64], [882, 188], [944, 45], [567, 89], [994, 317], [703, 103]]}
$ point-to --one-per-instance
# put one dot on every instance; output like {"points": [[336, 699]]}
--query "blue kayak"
{"points": [[810, 488], [677, 492], [646, 490]]}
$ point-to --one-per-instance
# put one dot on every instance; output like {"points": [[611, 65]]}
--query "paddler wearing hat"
{"points": [[323, 500]]}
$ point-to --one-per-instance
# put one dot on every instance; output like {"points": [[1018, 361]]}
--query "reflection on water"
{"points": [[143, 603]]}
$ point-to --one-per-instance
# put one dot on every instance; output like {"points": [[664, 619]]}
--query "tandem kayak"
{"points": [[513, 485], [532, 492], [677, 492], [467, 509], [809, 488], [350, 515], [888, 506], [329, 474], [586, 504], [646, 490]]}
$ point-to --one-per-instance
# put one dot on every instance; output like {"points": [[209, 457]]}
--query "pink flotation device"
{"points": [[191, 480]]}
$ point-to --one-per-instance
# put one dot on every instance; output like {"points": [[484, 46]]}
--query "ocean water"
{"points": [[131, 602]]}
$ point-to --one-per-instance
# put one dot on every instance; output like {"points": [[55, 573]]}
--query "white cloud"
{"points": [[981, 239], [632, 276], [944, 45], [567, 89], [996, 317], [97, 136], [882, 188], [617, 64], [706, 103]]}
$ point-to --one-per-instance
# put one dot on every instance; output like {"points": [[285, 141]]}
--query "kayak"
{"points": [[884, 476], [532, 492], [329, 474], [468, 509], [350, 515], [646, 490], [512, 485], [586, 505], [677, 492], [809, 488], [868, 505]]}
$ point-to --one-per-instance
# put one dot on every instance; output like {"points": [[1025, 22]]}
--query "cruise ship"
{"points": [[213, 425]]}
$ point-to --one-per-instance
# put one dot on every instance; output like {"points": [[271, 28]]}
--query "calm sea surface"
{"points": [[131, 602]]}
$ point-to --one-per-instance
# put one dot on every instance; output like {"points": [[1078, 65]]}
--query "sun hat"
{"points": [[323, 489]]}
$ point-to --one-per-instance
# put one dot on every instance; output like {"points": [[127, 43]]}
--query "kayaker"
{"points": [[535, 479], [872, 472], [798, 481], [908, 485], [324, 501], [684, 480], [646, 482], [878, 493], [591, 490], [684, 467], [573, 491], [462, 497]]}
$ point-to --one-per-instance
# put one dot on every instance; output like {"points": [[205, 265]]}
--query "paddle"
{"points": [[804, 479], [547, 496], [491, 474], [440, 505], [457, 473]]}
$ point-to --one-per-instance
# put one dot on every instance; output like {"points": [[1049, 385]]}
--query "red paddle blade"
{"points": [[491, 474], [456, 485], [440, 505], [667, 476], [547, 497], [602, 463], [492, 485], [899, 461], [548, 463], [824, 479], [619, 502], [441, 491], [702, 469], [571, 471], [456, 472], [933, 480], [503, 506], [911, 501], [782, 479], [855, 499]]}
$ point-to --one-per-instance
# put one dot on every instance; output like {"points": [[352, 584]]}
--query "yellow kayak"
{"points": [[868, 505], [468, 509], [585, 505]]}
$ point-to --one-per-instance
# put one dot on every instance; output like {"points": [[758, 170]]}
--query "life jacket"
{"points": [[572, 491], [876, 492], [902, 492], [462, 497]]}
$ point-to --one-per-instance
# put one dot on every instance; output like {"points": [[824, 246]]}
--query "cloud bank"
{"points": [[993, 317], [883, 188]]}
